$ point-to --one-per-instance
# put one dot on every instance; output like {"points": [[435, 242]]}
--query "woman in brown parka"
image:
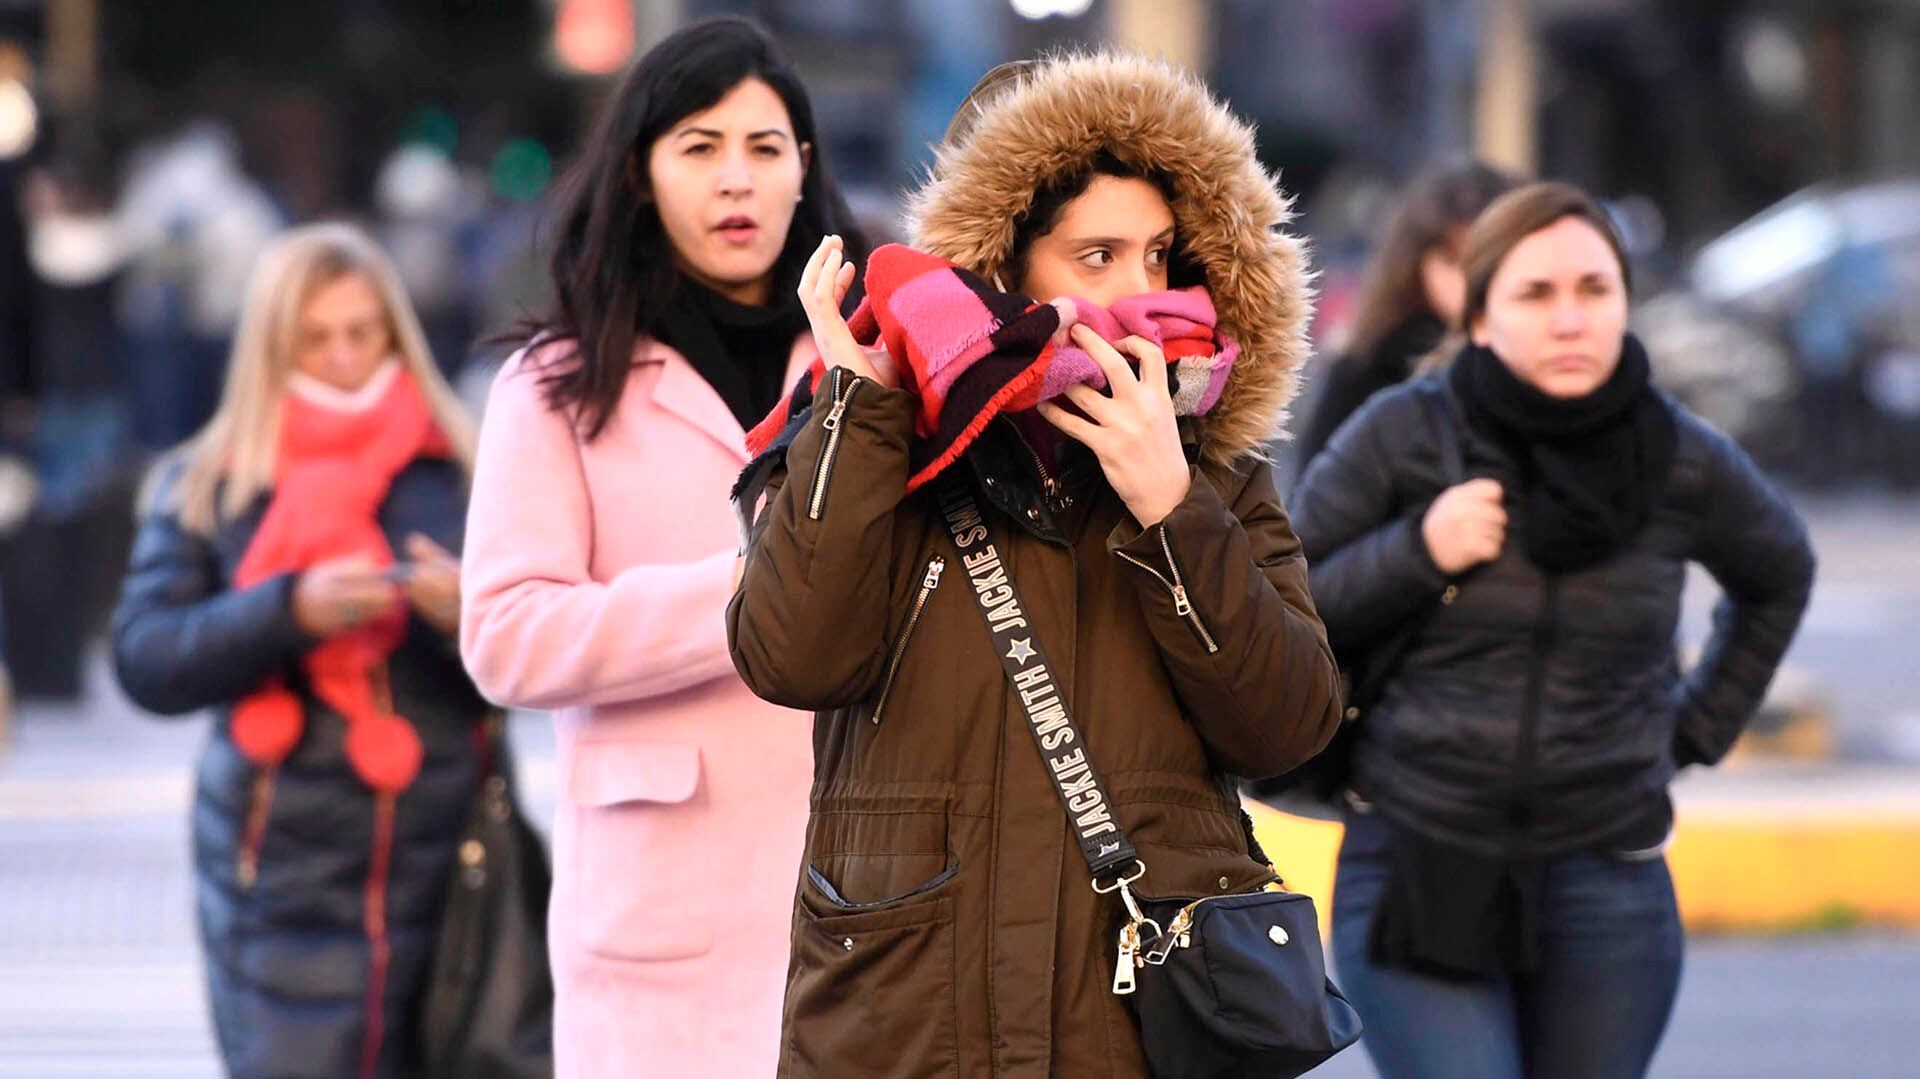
{"points": [[944, 924]]}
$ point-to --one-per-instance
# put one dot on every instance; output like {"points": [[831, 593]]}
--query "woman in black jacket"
{"points": [[1503, 906], [293, 572], [1410, 293]]}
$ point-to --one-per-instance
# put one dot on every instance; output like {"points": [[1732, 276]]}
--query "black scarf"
{"points": [[741, 351], [1592, 467]]}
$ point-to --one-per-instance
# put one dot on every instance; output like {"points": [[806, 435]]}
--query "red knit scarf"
{"points": [[332, 473]]}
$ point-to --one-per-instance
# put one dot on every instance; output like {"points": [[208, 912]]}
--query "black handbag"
{"points": [[488, 1010], [1230, 985], [1314, 789]]}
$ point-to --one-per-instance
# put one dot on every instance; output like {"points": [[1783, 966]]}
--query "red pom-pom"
{"points": [[385, 751], [267, 725]]}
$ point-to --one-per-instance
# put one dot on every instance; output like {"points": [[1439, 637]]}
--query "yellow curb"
{"points": [[1733, 871]]}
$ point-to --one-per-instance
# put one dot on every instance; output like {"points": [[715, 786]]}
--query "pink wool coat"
{"points": [[595, 582]]}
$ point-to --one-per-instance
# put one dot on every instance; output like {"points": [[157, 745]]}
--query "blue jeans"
{"points": [[1610, 952]]}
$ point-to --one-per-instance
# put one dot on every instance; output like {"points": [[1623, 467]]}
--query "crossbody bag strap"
{"points": [[1063, 746]]}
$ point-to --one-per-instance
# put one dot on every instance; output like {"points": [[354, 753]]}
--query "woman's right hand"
{"points": [[339, 594], [823, 285], [1465, 526]]}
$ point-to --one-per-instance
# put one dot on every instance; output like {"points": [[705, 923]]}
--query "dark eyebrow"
{"points": [[707, 132], [1116, 241]]}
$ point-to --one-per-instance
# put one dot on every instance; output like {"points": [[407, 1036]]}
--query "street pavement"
{"points": [[100, 979]]}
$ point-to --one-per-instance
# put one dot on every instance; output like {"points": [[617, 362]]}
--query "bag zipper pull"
{"points": [[1123, 963]]}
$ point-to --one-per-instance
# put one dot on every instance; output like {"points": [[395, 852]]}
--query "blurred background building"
{"points": [[1761, 156]]}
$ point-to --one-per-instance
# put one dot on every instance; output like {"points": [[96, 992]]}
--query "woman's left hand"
{"points": [[433, 584], [1133, 432]]}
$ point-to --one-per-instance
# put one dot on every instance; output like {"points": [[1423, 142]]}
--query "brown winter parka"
{"points": [[944, 922]]}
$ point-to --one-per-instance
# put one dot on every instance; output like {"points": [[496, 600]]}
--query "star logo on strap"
{"points": [[1022, 650]]}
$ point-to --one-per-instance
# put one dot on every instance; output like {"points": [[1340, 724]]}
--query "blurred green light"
{"points": [[521, 170], [433, 126]]}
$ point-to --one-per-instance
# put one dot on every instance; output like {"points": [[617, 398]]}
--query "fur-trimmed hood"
{"points": [[1229, 214]]}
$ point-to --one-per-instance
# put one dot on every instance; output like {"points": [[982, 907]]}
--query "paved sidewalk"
{"points": [[100, 977], [1761, 846]]}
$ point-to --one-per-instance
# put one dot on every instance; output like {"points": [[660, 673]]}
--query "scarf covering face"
{"points": [[969, 352], [1593, 466], [334, 468]]}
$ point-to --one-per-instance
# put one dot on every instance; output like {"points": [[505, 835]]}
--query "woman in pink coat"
{"points": [[602, 550]]}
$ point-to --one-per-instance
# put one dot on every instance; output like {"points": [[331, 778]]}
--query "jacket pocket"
{"points": [[832, 897], [642, 854], [871, 987]]}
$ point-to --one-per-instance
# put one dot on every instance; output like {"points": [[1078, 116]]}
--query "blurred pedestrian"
{"points": [[61, 568], [192, 221], [948, 921], [1503, 905], [602, 550], [1410, 292], [296, 569], [19, 389]]}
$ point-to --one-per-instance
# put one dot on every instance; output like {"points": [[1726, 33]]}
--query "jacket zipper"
{"points": [[374, 899], [379, 947], [1182, 604], [1049, 486], [1543, 641], [842, 395], [253, 835], [935, 567]]}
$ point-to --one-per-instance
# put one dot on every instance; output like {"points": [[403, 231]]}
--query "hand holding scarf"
{"points": [[968, 351]]}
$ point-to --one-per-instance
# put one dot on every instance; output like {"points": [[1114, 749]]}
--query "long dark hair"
{"points": [[1439, 200], [613, 267]]}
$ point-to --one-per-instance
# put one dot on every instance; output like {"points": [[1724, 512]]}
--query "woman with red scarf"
{"points": [[294, 571]]}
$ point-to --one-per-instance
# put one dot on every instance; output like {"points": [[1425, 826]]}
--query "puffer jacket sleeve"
{"points": [[1223, 585], [1756, 547], [183, 640], [808, 624], [1371, 568]]}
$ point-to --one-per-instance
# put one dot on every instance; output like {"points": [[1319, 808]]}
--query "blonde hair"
{"points": [[230, 462]]}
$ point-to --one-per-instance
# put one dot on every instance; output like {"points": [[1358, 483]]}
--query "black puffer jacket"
{"points": [[288, 957], [1349, 380], [1535, 714]]}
